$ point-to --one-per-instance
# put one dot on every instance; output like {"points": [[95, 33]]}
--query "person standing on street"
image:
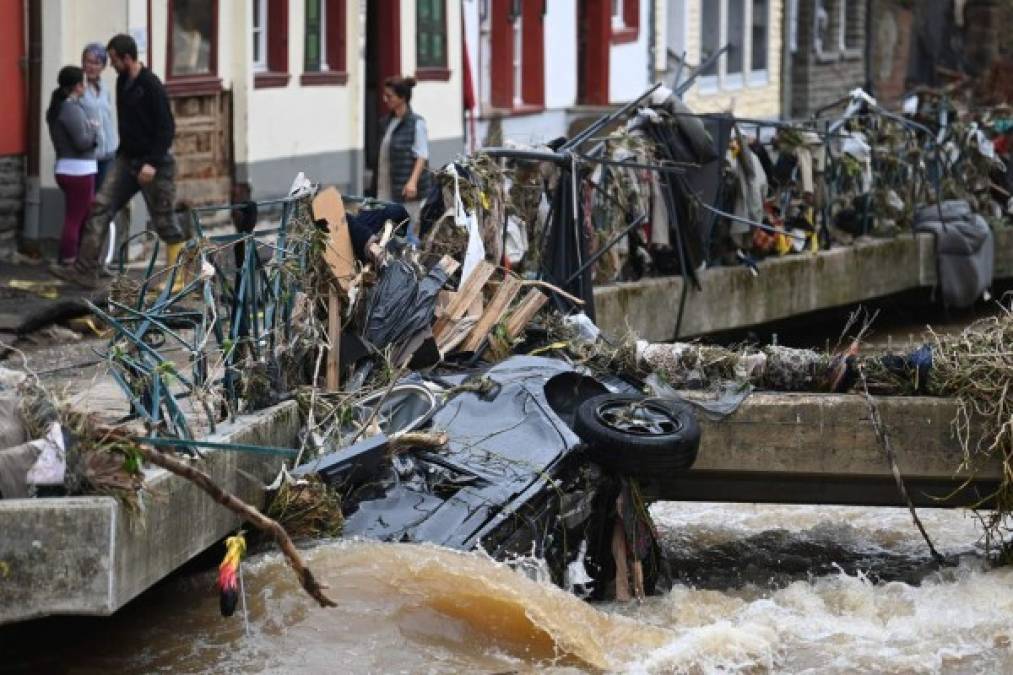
{"points": [[401, 174], [143, 163], [74, 139], [98, 103]]}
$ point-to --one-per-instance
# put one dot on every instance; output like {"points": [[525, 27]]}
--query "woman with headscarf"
{"points": [[401, 174], [74, 139], [98, 104]]}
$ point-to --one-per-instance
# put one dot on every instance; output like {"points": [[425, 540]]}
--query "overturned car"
{"points": [[542, 459]]}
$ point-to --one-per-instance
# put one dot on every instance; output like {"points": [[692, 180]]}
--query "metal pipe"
{"points": [[604, 249], [603, 122]]}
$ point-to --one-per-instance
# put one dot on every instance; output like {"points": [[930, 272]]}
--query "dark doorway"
{"points": [[383, 59]]}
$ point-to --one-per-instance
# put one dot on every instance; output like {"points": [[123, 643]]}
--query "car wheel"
{"points": [[638, 436]]}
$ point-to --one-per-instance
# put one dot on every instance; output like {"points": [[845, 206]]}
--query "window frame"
{"points": [[518, 79], [722, 80], [624, 27], [433, 72], [837, 31], [277, 74], [259, 36], [334, 47], [197, 84]]}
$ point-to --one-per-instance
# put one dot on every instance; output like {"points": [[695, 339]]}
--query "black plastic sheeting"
{"points": [[401, 306]]}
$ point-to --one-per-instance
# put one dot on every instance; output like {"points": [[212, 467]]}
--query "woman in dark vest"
{"points": [[401, 174]]}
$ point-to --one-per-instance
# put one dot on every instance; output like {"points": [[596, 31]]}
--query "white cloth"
{"points": [[76, 167]]}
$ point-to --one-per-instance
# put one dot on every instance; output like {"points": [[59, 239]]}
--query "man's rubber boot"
{"points": [[172, 252]]}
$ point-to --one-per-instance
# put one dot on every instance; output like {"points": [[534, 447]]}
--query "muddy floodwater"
{"points": [[762, 589]]}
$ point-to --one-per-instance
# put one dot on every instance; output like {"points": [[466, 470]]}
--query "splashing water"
{"points": [[407, 608]]}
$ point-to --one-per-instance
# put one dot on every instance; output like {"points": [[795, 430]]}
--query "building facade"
{"points": [[542, 66], [261, 89], [746, 80], [827, 46]]}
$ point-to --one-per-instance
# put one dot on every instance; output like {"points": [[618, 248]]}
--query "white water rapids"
{"points": [[761, 591]]}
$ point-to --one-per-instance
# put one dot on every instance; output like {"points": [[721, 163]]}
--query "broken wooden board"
{"points": [[494, 312], [471, 288], [327, 206], [525, 312]]}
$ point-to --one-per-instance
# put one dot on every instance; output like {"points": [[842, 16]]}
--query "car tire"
{"points": [[637, 436]]}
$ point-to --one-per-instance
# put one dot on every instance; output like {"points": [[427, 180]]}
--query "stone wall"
{"points": [[12, 200], [822, 74]]}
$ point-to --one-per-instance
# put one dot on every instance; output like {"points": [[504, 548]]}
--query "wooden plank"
{"points": [[525, 311], [334, 335], [494, 313], [327, 205], [449, 265], [470, 289]]}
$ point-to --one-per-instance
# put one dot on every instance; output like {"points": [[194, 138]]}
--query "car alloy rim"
{"points": [[639, 418]]}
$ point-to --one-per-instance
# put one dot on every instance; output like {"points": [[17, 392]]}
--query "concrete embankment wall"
{"points": [[731, 297], [89, 556], [822, 449]]}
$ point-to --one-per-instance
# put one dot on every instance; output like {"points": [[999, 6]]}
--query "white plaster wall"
{"points": [[438, 101], [628, 77], [295, 119], [561, 54], [531, 129]]}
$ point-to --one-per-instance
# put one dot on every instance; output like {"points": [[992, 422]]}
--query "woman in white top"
{"points": [[74, 139]]}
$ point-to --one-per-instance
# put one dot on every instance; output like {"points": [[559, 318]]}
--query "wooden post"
{"points": [[334, 335]]}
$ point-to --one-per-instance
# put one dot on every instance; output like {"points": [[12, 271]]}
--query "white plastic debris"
{"points": [[51, 466], [587, 331], [578, 581], [516, 240]]}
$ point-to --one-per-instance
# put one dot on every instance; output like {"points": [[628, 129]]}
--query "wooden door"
{"points": [[203, 148]]}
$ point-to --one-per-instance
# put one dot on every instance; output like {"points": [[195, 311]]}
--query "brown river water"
{"points": [[764, 589]]}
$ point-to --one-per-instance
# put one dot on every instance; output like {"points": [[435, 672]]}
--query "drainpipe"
{"points": [[30, 231], [789, 18]]}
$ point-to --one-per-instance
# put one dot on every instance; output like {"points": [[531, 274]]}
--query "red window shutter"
{"points": [[277, 36], [336, 35], [533, 59], [597, 25], [502, 84], [631, 14]]}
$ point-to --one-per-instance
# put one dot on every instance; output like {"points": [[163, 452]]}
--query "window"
{"points": [[192, 47], [838, 29], [625, 20], [517, 65], [193, 36], [744, 26], [315, 52], [761, 26], [324, 55], [852, 28], [271, 69], [710, 34], [259, 37], [431, 40], [735, 38]]}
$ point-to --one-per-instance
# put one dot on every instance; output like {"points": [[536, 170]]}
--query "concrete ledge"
{"points": [[88, 556], [732, 298], [822, 448]]}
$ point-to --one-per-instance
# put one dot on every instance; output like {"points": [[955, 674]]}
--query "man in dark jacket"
{"points": [[143, 163]]}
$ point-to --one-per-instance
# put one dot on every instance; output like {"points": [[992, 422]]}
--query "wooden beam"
{"points": [[470, 289], [494, 313], [524, 312], [334, 335]]}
